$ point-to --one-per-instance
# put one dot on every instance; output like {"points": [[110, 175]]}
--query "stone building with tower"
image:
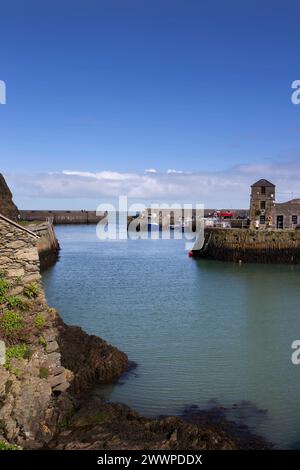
{"points": [[266, 213]]}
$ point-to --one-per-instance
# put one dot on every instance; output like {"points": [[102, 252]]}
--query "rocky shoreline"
{"points": [[93, 423], [98, 425]]}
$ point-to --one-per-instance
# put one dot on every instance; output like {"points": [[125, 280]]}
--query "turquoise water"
{"points": [[198, 330]]}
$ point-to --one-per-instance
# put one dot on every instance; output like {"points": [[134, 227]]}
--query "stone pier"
{"points": [[259, 246]]}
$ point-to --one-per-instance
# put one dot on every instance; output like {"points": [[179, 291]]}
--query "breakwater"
{"points": [[259, 246], [65, 217], [61, 217], [47, 243]]}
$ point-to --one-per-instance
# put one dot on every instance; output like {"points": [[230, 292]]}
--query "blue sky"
{"points": [[107, 89]]}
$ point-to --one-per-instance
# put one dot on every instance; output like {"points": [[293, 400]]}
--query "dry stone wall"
{"points": [[19, 258]]}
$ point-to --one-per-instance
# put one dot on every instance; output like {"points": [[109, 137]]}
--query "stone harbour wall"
{"points": [[61, 217], [246, 245], [47, 243], [18, 255]]}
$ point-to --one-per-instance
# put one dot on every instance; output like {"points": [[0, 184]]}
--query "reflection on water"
{"points": [[199, 330]]}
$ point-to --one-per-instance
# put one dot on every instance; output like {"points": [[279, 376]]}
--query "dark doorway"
{"points": [[280, 221]]}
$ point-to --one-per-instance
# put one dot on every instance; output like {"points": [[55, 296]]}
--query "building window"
{"points": [[262, 220], [294, 219], [262, 204], [263, 190], [280, 222]]}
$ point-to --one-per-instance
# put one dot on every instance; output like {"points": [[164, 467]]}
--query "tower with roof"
{"points": [[262, 204]]}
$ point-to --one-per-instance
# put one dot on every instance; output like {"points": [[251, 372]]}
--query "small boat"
{"points": [[153, 227]]}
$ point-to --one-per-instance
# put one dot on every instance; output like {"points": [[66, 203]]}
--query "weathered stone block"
{"points": [[57, 380], [62, 387], [53, 359], [52, 346], [16, 290], [15, 272], [16, 244], [28, 254], [31, 278]]}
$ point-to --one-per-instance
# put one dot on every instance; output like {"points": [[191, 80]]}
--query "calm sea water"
{"points": [[198, 330]]}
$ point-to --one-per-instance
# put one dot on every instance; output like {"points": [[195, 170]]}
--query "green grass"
{"points": [[11, 321], [39, 320], [13, 301], [25, 223], [43, 342], [5, 446], [44, 373], [4, 286], [31, 291], [18, 351], [17, 372]]}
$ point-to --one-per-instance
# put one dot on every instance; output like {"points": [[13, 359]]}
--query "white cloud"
{"points": [[170, 171], [150, 170], [102, 175], [230, 188]]}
